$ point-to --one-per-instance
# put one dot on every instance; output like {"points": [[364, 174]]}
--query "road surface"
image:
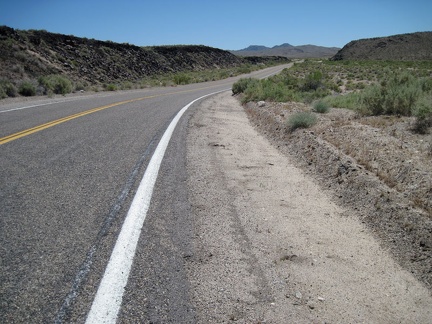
{"points": [[70, 167], [234, 230]]}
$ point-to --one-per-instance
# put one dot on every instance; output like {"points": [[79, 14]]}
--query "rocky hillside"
{"points": [[405, 47], [287, 50], [34, 53]]}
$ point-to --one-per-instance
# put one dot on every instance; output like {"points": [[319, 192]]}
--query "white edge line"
{"points": [[107, 302], [52, 103], [37, 105]]}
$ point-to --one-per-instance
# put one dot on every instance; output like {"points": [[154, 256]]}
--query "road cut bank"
{"points": [[270, 246]]}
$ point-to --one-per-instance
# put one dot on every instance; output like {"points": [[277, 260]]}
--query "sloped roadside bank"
{"points": [[268, 244], [383, 173]]}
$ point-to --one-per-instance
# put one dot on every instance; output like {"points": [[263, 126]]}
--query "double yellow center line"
{"points": [[38, 128]]}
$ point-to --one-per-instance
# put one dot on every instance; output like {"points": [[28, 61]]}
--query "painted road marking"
{"points": [[109, 296], [35, 129], [39, 128], [84, 270], [108, 299], [32, 106]]}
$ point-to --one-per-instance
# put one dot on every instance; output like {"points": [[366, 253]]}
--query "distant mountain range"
{"points": [[288, 50]]}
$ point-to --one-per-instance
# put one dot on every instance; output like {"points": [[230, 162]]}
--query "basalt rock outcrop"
{"points": [[403, 47], [33, 53]]}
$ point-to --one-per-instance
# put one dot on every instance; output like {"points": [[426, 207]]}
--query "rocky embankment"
{"points": [[405, 47], [34, 53], [374, 165]]}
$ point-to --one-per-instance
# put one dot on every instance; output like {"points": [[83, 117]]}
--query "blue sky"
{"points": [[226, 24]]}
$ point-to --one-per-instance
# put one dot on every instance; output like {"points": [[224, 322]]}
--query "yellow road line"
{"points": [[38, 128]]}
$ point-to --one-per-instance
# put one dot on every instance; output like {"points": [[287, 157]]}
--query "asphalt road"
{"points": [[66, 188]]}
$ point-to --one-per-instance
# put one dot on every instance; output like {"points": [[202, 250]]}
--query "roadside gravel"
{"points": [[270, 246]]}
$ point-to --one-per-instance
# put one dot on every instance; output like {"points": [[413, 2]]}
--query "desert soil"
{"points": [[275, 239]]}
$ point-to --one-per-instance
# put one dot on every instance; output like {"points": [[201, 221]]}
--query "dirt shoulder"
{"points": [[272, 246], [374, 165]]}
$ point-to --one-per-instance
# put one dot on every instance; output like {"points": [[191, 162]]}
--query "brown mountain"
{"points": [[406, 47], [288, 50]]}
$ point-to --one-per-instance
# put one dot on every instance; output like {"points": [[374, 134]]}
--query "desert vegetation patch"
{"points": [[371, 147]]}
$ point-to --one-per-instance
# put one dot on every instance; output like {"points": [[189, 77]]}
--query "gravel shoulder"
{"points": [[270, 245]]}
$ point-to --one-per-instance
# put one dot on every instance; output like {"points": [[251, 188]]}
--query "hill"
{"points": [[28, 55], [288, 50], [404, 47]]}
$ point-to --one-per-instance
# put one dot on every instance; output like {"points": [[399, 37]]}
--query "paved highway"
{"points": [[69, 170]]}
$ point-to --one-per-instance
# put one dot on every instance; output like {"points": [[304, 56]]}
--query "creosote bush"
{"points": [[301, 120], [57, 84], [110, 87], [423, 113], [27, 89], [7, 89], [182, 78], [349, 101], [312, 82], [395, 95], [241, 85], [284, 87]]}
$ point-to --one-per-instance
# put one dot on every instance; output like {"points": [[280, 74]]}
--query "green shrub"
{"points": [[241, 85], [80, 86], [289, 80], [349, 101], [57, 84], [401, 91], [276, 91], [423, 113], [251, 88], [2, 93], [223, 75], [254, 91], [355, 86], [312, 81], [7, 89], [27, 89], [182, 78], [321, 107], [301, 120], [396, 95], [309, 96], [244, 69], [331, 85], [289, 85], [426, 84], [127, 85], [372, 101], [111, 87]]}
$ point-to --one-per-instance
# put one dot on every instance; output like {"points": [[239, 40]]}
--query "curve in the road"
{"points": [[109, 295], [38, 128]]}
